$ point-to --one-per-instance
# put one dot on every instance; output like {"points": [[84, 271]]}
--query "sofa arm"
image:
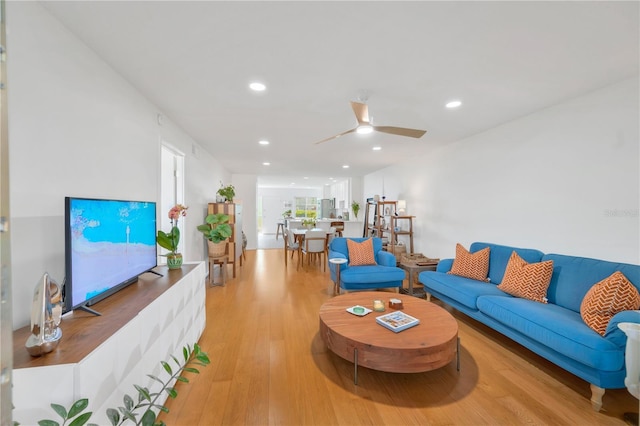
{"points": [[336, 254], [386, 258], [444, 265], [613, 333]]}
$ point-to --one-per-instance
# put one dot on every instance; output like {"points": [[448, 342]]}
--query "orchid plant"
{"points": [[170, 240]]}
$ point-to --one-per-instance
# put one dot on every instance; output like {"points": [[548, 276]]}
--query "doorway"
{"points": [[171, 192]]}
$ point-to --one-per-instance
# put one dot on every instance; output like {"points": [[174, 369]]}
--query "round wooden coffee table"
{"points": [[427, 346]]}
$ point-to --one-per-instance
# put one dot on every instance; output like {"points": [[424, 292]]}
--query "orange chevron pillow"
{"points": [[471, 265], [527, 280], [605, 299], [361, 253]]}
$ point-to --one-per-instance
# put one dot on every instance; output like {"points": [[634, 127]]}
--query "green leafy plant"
{"points": [[171, 239], [216, 227], [147, 400], [227, 191], [355, 206], [307, 222], [76, 409], [286, 213]]}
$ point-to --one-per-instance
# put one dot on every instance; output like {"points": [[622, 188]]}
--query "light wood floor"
{"points": [[270, 367]]}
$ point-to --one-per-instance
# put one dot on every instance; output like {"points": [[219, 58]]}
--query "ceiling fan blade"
{"points": [[336, 136], [412, 133], [361, 111]]}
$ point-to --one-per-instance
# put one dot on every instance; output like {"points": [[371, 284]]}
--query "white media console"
{"points": [[102, 357]]}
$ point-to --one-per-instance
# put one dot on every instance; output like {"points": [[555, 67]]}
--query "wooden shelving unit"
{"points": [[234, 211], [380, 220], [377, 217], [397, 221]]}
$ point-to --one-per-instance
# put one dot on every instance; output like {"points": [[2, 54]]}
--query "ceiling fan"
{"points": [[364, 125]]}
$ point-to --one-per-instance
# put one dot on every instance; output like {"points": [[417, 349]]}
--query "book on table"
{"points": [[397, 321]]}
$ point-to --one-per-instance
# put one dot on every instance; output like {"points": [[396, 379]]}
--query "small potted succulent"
{"points": [[216, 230]]}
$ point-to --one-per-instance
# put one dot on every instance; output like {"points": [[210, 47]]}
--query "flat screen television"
{"points": [[108, 244]]}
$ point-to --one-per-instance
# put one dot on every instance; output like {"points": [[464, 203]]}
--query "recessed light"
{"points": [[346, 166], [263, 142], [266, 163], [453, 104], [306, 177], [377, 148], [257, 86]]}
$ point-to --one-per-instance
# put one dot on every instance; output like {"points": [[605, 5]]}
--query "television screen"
{"points": [[108, 243]]}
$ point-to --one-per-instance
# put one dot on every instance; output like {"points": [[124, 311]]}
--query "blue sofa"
{"points": [[367, 277], [554, 330]]}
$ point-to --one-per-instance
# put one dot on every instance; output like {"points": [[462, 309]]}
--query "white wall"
{"points": [[77, 128], [562, 180], [246, 187]]}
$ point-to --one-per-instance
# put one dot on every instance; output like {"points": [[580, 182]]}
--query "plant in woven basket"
{"points": [[216, 227]]}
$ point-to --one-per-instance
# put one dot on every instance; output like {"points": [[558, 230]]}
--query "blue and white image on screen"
{"points": [[111, 242]]}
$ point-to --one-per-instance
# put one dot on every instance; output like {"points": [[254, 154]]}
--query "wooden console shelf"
{"points": [[101, 357], [83, 332]]}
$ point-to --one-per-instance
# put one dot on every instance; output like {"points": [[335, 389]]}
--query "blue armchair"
{"points": [[367, 277]]}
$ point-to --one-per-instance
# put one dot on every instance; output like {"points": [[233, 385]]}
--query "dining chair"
{"points": [[315, 243], [331, 234], [339, 227], [290, 245]]}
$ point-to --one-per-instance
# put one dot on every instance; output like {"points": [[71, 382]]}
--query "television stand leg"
{"points": [[88, 309], [154, 272]]}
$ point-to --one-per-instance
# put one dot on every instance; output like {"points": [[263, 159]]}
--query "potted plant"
{"points": [[216, 230], [286, 213], [226, 192], [355, 206], [309, 223], [170, 240]]}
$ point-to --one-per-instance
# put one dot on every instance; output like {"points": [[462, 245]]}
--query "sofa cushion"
{"points": [[471, 265], [463, 290], [500, 257], [527, 280], [555, 327], [573, 277], [606, 298], [361, 253]]}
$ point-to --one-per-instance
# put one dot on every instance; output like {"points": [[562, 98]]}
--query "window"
{"points": [[306, 207]]}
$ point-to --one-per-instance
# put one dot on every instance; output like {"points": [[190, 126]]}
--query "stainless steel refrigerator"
{"points": [[327, 208]]}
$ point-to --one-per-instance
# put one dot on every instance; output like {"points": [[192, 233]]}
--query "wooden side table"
{"points": [[337, 261], [414, 269], [219, 260]]}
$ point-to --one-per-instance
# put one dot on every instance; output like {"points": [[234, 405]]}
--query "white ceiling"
{"points": [[504, 60]]}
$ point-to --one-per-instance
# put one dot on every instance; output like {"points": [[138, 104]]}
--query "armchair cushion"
{"points": [[361, 253]]}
